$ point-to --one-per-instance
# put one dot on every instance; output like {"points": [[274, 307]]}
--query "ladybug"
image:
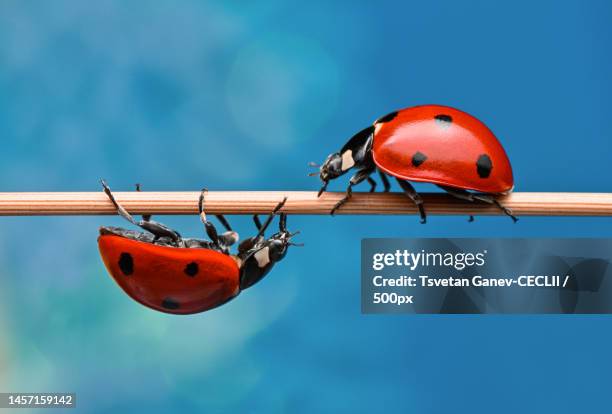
{"points": [[166, 272], [429, 143]]}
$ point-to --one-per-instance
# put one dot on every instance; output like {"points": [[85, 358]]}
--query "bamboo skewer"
{"points": [[298, 202]]}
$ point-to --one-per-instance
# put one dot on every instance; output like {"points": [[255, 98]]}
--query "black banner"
{"points": [[470, 276]]}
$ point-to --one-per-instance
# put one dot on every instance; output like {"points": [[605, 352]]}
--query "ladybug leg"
{"points": [[230, 236], [415, 197], [492, 200], [282, 223], [249, 243], [282, 227], [323, 188], [145, 217], [460, 194], [485, 198], [359, 176], [385, 181], [224, 222], [262, 228], [157, 229], [372, 184], [257, 221], [219, 241]]}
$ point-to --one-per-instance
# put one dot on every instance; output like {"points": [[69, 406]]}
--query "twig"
{"points": [[299, 202]]}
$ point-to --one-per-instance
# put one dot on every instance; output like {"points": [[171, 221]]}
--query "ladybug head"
{"points": [[279, 243], [263, 254], [329, 170]]}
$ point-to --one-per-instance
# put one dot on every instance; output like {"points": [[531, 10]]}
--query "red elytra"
{"points": [[170, 279], [441, 145]]}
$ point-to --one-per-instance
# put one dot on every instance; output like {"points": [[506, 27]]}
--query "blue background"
{"points": [[234, 95]]}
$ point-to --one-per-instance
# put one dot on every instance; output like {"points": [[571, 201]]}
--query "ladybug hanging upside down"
{"points": [[429, 143], [169, 273]]}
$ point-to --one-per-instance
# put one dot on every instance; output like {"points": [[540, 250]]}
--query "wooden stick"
{"points": [[299, 202]]}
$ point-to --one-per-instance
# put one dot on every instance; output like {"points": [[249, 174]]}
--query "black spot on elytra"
{"points": [[170, 303], [444, 120], [386, 118], [191, 269], [418, 158], [484, 165], [126, 264]]}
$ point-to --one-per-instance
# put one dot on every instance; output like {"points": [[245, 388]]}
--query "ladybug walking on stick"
{"points": [[430, 143], [169, 273]]}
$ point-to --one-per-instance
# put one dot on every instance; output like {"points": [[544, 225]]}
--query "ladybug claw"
{"points": [[509, 213]]}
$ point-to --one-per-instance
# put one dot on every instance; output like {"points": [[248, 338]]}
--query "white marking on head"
{"points": [[347, 160], [263, 257]]}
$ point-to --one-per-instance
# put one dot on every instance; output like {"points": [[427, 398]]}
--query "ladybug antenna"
{"points": [[290, 236], [313, 164], [313, 174]]}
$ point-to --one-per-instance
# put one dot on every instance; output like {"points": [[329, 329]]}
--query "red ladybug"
{"points": [[171, 274], [429, 143]]}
